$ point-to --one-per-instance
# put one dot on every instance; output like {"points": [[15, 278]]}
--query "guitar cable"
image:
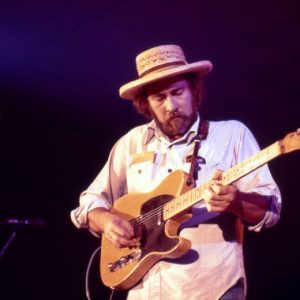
{"points": [[87, 274]]}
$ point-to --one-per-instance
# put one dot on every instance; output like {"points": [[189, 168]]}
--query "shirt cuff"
{"points": [[88, 202], [271, 217]]}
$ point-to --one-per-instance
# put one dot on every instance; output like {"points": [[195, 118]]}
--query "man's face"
{"points": [[172, 105]]}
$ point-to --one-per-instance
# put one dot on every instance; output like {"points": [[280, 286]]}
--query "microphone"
{"points": [[37, 223]]}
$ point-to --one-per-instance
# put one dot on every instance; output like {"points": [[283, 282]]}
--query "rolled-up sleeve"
{"points": [[260, 181]]}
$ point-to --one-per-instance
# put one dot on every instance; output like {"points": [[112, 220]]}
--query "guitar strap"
{"points": [[195, 159]]}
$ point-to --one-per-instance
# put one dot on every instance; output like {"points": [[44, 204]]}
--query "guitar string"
{"points": [[152, 215], [262, 157], [149, 218]]}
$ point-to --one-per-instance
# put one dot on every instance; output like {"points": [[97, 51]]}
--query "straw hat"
{"points": [[159, 63]]}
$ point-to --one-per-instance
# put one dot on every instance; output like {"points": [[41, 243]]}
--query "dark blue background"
{"points": [[61, 65]]}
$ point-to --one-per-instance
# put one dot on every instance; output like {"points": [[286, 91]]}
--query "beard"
{"points": [[177, 124]]}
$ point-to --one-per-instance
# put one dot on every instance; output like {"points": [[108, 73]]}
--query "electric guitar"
{"points": [[156, 216]]}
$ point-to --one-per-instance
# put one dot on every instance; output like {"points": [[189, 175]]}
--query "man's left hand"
{"points": [[218, 197]]}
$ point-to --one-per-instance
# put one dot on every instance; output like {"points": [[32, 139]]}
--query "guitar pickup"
{"points": [[125, 260]]}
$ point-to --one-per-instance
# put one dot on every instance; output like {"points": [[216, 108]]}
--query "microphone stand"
{"points": [[8, 242], [18, 225]]}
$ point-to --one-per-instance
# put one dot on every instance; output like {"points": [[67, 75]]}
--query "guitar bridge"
{"points": [[125, 260]]}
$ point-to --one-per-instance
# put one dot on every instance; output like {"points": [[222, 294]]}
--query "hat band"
{"points": [[162, 67]]}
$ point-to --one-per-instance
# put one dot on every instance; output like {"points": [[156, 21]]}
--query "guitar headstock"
{"points": [[290, 142]]}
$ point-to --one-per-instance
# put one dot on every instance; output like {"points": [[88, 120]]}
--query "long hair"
{"points": [[141, 104]]}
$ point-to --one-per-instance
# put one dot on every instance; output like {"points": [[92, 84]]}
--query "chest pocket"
{"points": [[141, 172]]}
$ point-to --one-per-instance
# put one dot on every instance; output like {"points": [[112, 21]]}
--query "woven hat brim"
{"points": [[129, 90]]}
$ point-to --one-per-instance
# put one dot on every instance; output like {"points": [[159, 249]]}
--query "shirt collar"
{"points": [[153, 130]]}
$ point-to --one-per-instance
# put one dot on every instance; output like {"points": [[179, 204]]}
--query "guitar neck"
{"points": [[188, 199]]}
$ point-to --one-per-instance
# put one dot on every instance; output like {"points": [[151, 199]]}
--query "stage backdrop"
{"points": [[61, 65]]}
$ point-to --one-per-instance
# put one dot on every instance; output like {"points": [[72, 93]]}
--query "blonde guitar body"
{"points": [[158, 239]]}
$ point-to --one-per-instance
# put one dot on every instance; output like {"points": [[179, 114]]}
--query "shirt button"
{"points": [[140, 171], [169, 170]]}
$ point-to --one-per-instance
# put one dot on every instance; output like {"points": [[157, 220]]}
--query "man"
{"points": [[169, 90]]}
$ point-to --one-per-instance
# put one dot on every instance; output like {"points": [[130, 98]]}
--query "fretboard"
{"points": [[188, 199]]}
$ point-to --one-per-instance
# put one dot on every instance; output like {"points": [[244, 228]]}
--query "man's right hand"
{"points": [[116, 229]]}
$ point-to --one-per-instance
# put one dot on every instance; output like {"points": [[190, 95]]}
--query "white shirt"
{"points": [[140, 160]]}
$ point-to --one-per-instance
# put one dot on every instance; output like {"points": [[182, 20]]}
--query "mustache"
{"points": [[174, 114]]}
